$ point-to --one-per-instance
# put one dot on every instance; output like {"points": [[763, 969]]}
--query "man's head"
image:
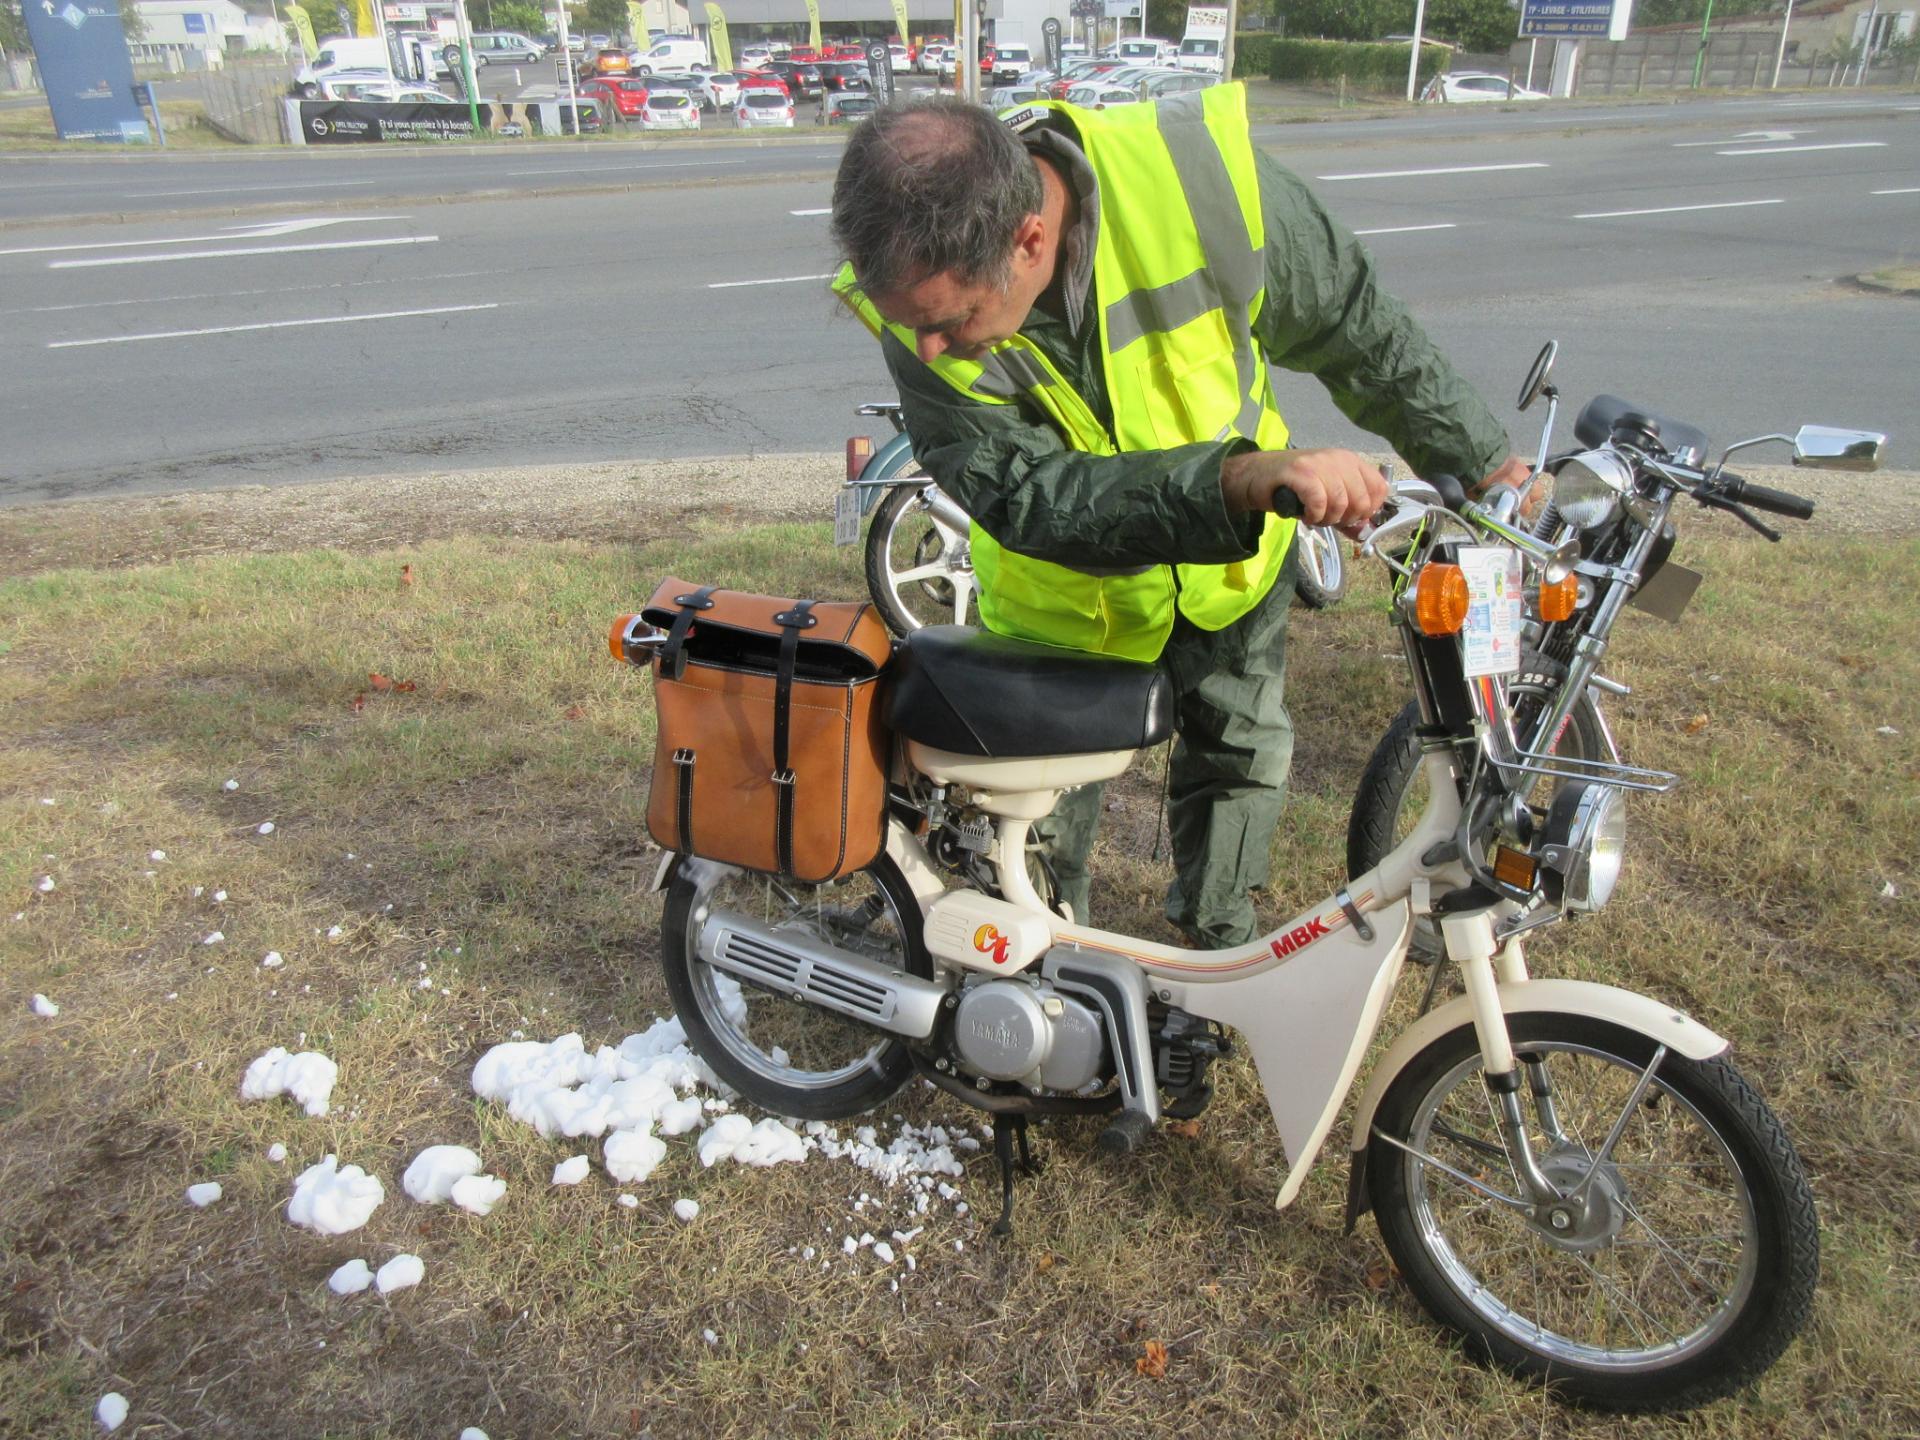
{"points": [[938, 207]]}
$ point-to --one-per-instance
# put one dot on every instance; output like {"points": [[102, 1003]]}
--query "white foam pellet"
{"points": [[214, 939], [46, 885], [351, 1278], [883, 1252], [271, 960], [431, 1177], [44, 1007], [710, 1337], [473, 1432], [156, 856], [478, 1194], [230, 785], [572, 1171], [307, 1077], [632, 1202], [334, 932], [219, 897], [400, 1273], [685, 1210], [204, 1194], [111, 1411], [277, 1153], [332, 1200], [631, 1155], [266, 827]]}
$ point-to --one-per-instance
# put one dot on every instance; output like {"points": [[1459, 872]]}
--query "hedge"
{"points": [[1365, 66], [1250, 54]]}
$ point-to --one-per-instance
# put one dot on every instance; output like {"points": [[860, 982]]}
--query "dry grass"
{"points": [[488, 826], [31, 128]]}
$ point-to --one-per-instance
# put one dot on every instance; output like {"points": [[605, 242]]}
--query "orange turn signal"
{"points": [[617, 638], [1440, 599], [1558, 598], [1515, 868], [859, 452]]}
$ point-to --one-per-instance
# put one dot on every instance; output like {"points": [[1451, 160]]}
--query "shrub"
{"points": [[1365, 66]]}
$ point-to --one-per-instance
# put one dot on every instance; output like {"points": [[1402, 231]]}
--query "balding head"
{"points": [[929, 187]]}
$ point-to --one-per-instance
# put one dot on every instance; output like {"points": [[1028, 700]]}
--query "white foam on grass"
{"points": [[478, 1194], [204, 1194], [402, 1272], [44, 1007], [561, 1089], [277, 1153], [307, 1077], [632, 1155], [111, 1411], [572, 1171], [734, 1137], [685, 1210], [351, 1278], [435, 1170], [332, 1200], [473, 1432]]}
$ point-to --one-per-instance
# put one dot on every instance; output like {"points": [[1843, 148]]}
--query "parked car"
{"points": [[1004, 97], [675, 53], [670, 110], [604, 62], [687, 84], [620, 97], [1162, 83], [845, 108], [504, 47], [763, 80], [927, 62], [752, 57], [839, 75], [804, 55], [724, 86], [803, 80], [1010, 61], [846, 52], [899, 57], [1476, 85], [1099, 97], [1146, 50], [763, 108]]}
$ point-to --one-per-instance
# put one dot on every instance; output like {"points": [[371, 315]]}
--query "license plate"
{"points": [[846, 516], [1491, 638]]}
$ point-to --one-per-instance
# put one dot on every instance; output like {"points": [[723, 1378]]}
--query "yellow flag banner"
{"points": [[303, 29], [900, 18], [813, 25], [363, 22], [722, 46], [959, 34], [637, 23]]}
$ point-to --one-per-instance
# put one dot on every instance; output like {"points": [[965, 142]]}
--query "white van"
{"points": [[1011, 61], [1145, 50], [341, 52], [673, 55]]}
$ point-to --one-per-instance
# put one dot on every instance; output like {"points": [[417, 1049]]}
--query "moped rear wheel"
{"points": [[785, 1055], [1677, 1275]]}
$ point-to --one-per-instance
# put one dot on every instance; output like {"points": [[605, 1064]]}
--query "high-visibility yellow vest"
{"points": [[1177, 298]]}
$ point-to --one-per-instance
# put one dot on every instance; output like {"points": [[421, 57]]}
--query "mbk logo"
{"points": [[1298, 938], [989, 941]]}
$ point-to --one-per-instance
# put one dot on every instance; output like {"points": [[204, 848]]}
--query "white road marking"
{"points": [[782, 280], [240, 189], [1753, 137], [259, 230], [616, 169], [248, 250], [1795, 149], [828, 210], [268, 290], [268, 325], [1406, 229], [1441, 170], [1910, 190], [1676, 209]]}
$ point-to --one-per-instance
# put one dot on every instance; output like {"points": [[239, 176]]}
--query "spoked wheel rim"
{"points": [[1320, 556], [1659, 1274], [781, 1040], [927, 567]]}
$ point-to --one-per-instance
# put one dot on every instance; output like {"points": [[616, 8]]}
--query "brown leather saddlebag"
{"points": [[771, 754]]}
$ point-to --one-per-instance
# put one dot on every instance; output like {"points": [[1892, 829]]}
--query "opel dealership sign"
{"points": [[82, 52]]}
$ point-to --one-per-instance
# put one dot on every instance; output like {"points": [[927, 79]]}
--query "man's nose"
{"points": [[931, 347]]}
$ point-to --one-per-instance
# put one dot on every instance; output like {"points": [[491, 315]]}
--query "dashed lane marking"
{"points": [[1675, 209], [267, 325], [1438, 170], [244, 250]]}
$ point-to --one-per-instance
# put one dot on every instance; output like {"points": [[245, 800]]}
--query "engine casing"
{"points": [[1027, 1032]]}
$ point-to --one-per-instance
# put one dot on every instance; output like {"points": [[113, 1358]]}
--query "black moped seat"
{"points": [[971, 692]]}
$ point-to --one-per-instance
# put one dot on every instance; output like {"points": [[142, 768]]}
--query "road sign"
{"points": [[84, 65], [1575, 19]]}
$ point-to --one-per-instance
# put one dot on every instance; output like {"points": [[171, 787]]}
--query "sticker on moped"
{"points": [[1491, 638]]}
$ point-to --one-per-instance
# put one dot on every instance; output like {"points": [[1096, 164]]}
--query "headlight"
{"points": [[1584, 843], [1587, 489]]}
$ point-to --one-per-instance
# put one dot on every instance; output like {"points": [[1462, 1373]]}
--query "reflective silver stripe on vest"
{"points": [[993, 382], [1021, 368], [1161, 309], [1215, 206]]}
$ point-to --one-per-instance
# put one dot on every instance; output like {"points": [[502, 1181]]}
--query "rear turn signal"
{"points": [[1440, 599], [859, 451], [617, 637], [1557, 599]]}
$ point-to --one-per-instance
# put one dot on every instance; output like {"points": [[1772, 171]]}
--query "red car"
{"points": [[804, 55], [624, 99], [763, 80], [846, 52]]}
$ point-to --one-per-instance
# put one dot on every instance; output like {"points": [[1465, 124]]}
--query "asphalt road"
{"points": [[1687, 257]]}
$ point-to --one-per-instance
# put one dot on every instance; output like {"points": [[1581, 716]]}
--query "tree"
{"points": [[132, 22], [608, 17], [520, 17], [13, 28]]}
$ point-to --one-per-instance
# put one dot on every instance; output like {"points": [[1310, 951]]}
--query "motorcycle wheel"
{"points": [[917, 567], [1393, 789], [1320, 573], [784, 1055], [1686, 1271]]}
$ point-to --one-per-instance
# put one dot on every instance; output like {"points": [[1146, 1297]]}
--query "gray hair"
{"points": [[932, 186]]}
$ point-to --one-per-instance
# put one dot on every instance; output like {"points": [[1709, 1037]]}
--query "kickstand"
{"points": [[1006, 1129]]}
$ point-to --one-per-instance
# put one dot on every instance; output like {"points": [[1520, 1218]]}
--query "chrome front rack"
{"points": [[1604, 772]]}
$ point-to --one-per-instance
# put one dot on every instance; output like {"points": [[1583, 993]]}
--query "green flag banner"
{"points": [[722, 46], [363, 22], [813, 25], [637, 23], [900, 18], [303, 30]]}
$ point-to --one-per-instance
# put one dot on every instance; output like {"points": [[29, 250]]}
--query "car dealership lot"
{"points": [[356, 335]]}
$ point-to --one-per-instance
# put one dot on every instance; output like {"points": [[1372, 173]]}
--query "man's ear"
{"points": [[1030, 241]]}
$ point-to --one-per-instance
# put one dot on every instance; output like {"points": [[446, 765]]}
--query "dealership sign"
{"points": [[82, 53], [357, 122], [1574, 19]]}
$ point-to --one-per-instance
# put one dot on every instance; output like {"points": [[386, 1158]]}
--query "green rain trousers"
{"points": [[1227, 777]]}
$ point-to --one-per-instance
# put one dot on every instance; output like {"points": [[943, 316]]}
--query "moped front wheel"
{"points": [[1320, 572], [783, 1054], [918, 570], [1679, 1266]]}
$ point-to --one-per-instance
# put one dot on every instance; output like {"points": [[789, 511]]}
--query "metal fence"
{"points": [[245, 106], [1734, 60]]}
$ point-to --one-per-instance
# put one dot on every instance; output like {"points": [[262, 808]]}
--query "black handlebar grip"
{"points": [[1452, 493], [1779, 502], [1284, 503]]}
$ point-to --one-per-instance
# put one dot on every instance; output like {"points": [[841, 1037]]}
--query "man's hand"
{"points": [[1514, 471], [1335, 487]]}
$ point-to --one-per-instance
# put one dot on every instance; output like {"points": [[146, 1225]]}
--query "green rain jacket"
{"points": [[1325, 314]]}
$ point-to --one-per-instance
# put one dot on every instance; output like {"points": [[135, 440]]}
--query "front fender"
{"points": [[1658, 1022]]}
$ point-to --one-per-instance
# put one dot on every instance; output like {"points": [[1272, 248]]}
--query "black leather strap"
{"points": [[791, 623], [673, 654], [683, 797]]}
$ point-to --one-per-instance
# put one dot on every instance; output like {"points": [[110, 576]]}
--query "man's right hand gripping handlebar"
{"points": [[1321, 487]]}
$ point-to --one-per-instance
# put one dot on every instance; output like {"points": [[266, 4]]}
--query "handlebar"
{"points": [[1762, 497]]}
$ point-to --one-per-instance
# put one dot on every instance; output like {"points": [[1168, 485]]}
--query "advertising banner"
{"points": [[82, 53], [364, 122], [1050, 40], [1575, 19], [900, 19], [813, 25], [717, 30], [637, 23], [363, 22], [303, 29]]}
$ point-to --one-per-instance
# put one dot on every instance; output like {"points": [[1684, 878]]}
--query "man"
{"points": [[1077, 308]]}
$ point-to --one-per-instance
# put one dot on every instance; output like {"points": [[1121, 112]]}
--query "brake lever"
{"points": [[1733, 507]]}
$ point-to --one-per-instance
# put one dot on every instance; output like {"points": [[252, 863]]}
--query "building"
{"points": [[202, 34]]}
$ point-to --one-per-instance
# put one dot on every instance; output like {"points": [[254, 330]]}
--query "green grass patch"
{"points": [[30, 127], [487, 824]]}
